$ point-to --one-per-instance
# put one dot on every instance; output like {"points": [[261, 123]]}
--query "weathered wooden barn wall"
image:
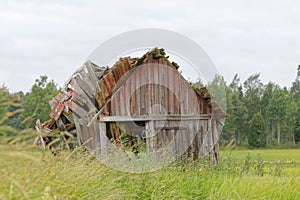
{"points": [[146, 98], [158, 89], [155, 83]]}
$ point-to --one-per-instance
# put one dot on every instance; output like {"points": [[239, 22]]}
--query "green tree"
{"points": [[36, 102], [267, 95], [241, 115], [277, 109], [230, 126], [257, 134], [217, 89], [290, 118], [236, 122], [253, 92], [295, 91], [252, 98]]}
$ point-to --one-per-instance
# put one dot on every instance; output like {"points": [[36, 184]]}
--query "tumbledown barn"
{"points": [[142, 106]]}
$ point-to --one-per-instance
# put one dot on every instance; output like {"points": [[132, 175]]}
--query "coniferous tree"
{"points": [[295, 91], [257, 134]]}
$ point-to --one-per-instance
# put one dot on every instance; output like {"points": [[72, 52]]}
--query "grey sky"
{"points": [[55, 38]]}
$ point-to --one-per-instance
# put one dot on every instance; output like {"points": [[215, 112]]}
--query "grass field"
{"points": [[241, 174]]}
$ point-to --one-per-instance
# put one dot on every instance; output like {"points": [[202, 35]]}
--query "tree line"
{"points": [[259, 115]]}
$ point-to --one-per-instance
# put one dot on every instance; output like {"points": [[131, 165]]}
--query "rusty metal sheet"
{"points": [[57, 111]]}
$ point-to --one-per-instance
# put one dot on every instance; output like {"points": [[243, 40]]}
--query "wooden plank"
{"points": [[156, 137], [192, 105], [137, 75], [184, 138], [127, 97], [215, 141], [78, 130], [181, 143], [84, 76], [200, 100], [164, 80], [201, 137], [84, 86], [77, 109], [103, 139], [171, 128], [187, 106], [91, 74], [122, 106], [97, 139], [191, 137], [146, 89], [206, 142], [156, 95], [83, 136], [149, 83], [133, 95], [177, 144], [162, 87], [194, 142], [149, 136], [153, 117], [142, 90], [171, 90], [92, 134], [210, 134], [85, 98], [116, 107], [183, 97], [89, 135], [151, 87], [177, 93], [171, 136], [85, 103]]}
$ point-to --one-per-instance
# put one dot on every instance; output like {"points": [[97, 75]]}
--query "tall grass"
{"points": [[30, 174]]}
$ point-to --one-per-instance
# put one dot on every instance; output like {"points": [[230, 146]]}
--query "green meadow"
{"points": [[241, 174]]}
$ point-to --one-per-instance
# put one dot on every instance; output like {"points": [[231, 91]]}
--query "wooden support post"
{"points": [[78, 129], [210, 139], [97, 139], [216, 152], [149, 136], [103, 138]]}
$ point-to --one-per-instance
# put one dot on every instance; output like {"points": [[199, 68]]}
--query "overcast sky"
{"points": [[55, 37]]}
